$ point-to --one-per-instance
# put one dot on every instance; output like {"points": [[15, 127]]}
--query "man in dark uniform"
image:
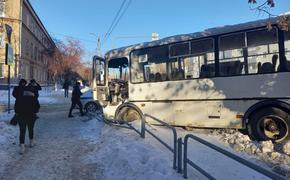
{"points": [[75, 99]]}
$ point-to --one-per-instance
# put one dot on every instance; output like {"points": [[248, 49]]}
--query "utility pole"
{"points": [[99, 45]]}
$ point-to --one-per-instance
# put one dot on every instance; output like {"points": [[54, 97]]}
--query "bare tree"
{"points": [[66, 59], [265, 7]]}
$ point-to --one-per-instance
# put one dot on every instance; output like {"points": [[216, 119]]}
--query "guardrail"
{"points": [[143, 131], [227, 153], [178, 160], [172, 149]]}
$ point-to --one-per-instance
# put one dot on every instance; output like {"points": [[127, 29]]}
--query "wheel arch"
{"points": [[130, 105], [264, 104]]}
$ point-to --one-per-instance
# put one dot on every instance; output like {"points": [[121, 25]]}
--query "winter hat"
{"points": [[22, 81]]}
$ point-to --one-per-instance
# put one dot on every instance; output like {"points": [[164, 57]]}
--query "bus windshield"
{"points": [[118, 69]]}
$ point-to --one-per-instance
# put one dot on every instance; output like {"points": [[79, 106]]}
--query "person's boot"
{"points": [[31, 143], [22, 149], [70, 116]]}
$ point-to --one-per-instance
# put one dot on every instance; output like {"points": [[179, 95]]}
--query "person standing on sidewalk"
{"points": [[26, 108], [65, 87], [76, 99], [35, 87]]}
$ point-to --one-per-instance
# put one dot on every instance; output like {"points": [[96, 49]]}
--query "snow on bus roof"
{"points": [[124, 51]]}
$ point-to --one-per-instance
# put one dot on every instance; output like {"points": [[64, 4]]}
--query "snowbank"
{"points": [[276, 156], [8, 136], [46, 96], [122, 154]]}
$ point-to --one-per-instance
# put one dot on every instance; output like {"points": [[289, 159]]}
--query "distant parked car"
{"points": [[87, 100]]}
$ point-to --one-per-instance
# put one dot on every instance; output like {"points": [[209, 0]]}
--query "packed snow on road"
{"points": [[88, 148]]}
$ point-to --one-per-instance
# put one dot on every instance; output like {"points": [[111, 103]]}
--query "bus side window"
{"points": [[262, 47], [287, 50], [231, 54]]}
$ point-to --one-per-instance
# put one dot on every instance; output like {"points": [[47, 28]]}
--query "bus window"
{"points": [[99, 70], [198, 66], [118, 69], [262, 51], [231, 54], [287, 49], [201, 63], [149, 65], [180, 49]]}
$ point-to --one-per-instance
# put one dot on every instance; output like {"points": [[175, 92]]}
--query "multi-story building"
{"points": [[31, 43]]}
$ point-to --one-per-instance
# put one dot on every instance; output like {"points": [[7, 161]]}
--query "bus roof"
{"points": [[124, 51]]}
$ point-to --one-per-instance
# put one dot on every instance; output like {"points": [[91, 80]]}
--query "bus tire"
{"points": [[270, 123], [128, 114]]}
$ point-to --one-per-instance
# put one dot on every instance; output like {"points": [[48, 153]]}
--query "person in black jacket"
{"points": [[26, 107], [65, 87], [35, 87], [75, 99]]}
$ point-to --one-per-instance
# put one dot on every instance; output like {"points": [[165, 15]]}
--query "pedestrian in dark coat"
{"points": [[35, 87], [76, 99], [26, 107], [65, 87], [18, 93]]}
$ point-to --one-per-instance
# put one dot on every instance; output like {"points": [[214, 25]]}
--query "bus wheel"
{"points": [[269, 124], [128, 114]]}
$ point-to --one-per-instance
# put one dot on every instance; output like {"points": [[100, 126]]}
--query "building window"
{"points": [[2, 42], [27, 20], [2, 8], [27, 48], [35, 53], [31, 50], [1, 70]]}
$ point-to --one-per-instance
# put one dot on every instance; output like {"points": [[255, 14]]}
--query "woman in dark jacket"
{"points": [[26, 107]]}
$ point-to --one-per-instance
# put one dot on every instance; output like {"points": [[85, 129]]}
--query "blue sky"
{"points": [[79, 19]]}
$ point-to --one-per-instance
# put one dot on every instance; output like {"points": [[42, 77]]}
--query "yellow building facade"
{"points": [[31, 43]]}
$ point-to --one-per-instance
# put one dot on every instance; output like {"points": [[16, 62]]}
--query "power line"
{"points": [[118, 20], [115, 18], [74, 37]]}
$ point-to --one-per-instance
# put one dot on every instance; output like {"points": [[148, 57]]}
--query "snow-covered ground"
{"points": [[44, 96], [87, 148], [81, 148]]}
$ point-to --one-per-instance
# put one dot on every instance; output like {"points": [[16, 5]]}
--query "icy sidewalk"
{"points": [[80, 148]]}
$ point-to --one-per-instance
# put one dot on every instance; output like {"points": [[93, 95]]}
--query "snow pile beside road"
{"points": [[7, 131], [277, 156], [8, 136], [122, 154]]}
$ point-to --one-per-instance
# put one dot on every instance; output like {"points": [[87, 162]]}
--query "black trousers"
{"points": [[65, 92], [26, 121], [73, 105]]}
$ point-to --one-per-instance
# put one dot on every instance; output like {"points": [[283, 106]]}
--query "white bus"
{"points": [[227, 77]]}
